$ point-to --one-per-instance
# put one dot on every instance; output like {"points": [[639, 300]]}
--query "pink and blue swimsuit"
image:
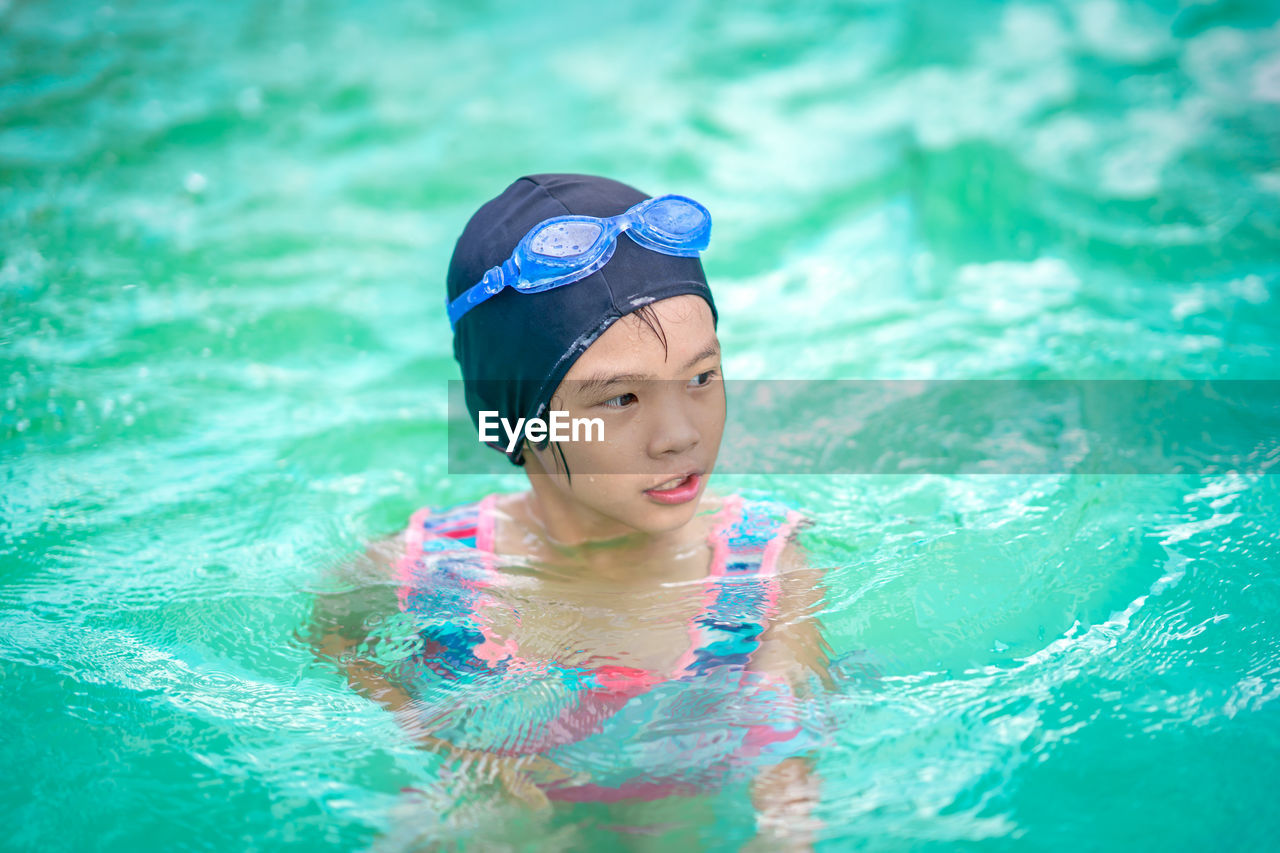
{"points": [[628, 733]]}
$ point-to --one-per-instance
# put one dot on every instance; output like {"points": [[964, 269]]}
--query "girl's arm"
{"points": [[785, 795]]}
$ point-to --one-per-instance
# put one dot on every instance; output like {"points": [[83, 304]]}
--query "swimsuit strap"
{"points": [[440, 576], [740, 595]]}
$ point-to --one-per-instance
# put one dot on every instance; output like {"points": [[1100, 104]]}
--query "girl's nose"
{"points": [[675, 431]]}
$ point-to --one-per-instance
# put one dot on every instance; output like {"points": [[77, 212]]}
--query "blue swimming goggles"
{"points": [[566, 249]]}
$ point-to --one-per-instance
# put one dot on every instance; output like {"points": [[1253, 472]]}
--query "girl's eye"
{"points": [[620, 402], [703, 379]]}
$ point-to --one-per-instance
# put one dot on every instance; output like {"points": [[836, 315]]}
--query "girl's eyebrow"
{"points": [[711, 349], [600, 382]]}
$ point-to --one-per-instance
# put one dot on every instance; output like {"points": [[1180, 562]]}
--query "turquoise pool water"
{"points": [[224, 229]]}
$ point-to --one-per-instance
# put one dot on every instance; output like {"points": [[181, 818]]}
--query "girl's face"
{"points": [[663, 411]]}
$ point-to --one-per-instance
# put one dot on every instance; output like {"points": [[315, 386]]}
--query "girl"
{"points": [[615, 633]]}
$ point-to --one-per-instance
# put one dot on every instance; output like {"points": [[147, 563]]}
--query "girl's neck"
{"points": [[603, 548]]}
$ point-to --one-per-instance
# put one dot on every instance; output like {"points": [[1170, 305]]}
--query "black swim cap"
{"points": [[516, 347]]}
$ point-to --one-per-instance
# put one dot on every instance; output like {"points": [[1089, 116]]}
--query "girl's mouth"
{"points": [[677, 490]]}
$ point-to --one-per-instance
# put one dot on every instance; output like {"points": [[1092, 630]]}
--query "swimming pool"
{"points": [[225, 228]]}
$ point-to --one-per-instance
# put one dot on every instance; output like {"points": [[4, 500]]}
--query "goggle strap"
{"points": [[477, 293], [493, 282]]}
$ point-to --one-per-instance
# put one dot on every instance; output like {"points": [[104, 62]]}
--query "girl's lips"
{"points": [[683, 492]]}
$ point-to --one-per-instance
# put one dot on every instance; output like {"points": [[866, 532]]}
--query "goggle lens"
{"points": [[565, 239], [675, 217]]}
